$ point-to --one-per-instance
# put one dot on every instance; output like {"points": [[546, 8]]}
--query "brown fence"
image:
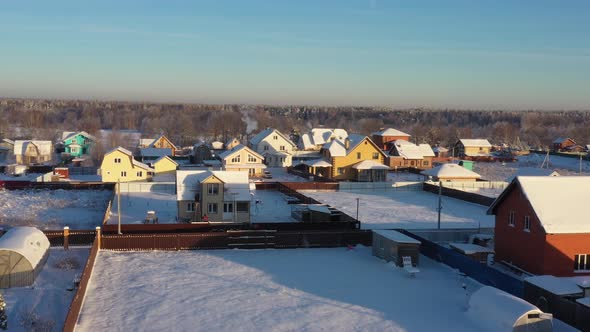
{"points": [[266, 239], [458, 194], [16, 185], [76, 305], [74, 238]]}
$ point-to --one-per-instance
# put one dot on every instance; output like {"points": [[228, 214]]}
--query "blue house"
{"points": [[77, 144]]}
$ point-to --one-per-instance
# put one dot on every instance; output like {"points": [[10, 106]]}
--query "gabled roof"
{"points": [[560, 140], [408, 150], [236, 149], [451, 171], [317, 163], [231, 141], [390, 132], [475, 142], [164, 157], [336, 148], [44, 147], [71, 134], [9, 141], [187, 182], [558, 201], [321, 136], [267, 132], [440, 149], [369, 164], [134, 162], [149, 142], [155, 152]]}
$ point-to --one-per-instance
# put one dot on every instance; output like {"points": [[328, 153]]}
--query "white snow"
{"points": [[271, 290], [555, 285], [405, 209], [48, 297], [272, 207], [30, 242], [53, 209], [469, 248], [585, 301], [396, 236], [451, 171], [134, 207]]}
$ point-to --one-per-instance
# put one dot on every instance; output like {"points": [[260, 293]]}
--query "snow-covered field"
{"points": [[134, 207], [273, 207], [53, 209], [271, 290], [47, 302], [405, 209]]}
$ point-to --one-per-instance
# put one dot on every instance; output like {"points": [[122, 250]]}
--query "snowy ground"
{"points": [[53, 209], [404, 177], [134, 207], [48, 299], [271, 290], [273, 207], [405, 209]]}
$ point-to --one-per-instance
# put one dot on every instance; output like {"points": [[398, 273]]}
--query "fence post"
{"points": [[98, 237], [66, 237]]}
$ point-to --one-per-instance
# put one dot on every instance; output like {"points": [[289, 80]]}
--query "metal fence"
{"points": [[480, 272], [458, 194]]}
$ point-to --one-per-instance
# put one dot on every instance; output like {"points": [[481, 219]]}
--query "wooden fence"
{"points": [[76, 304], [72, 238]]}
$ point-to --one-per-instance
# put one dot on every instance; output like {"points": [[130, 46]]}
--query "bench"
{"points": [[409, 267]]}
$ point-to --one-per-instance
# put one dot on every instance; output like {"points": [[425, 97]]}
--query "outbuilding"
{"points": [[23, 253], [393, 246], [497, 310]]}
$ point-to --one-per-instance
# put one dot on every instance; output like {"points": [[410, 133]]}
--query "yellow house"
{"points": [[165, 165], [119, 165], [358, 158], [242, 158], [220, 195], [472, 148], [161, 142]]}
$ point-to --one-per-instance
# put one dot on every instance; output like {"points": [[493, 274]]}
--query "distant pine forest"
{"points": [[186, 124]]}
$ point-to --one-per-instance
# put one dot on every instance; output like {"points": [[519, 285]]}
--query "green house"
{"points": [[77, 144]]}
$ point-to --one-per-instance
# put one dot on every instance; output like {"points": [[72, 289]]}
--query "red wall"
{"points": [[560, 250], [382, 141]]}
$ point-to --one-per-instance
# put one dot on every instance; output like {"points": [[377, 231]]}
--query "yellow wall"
{"points": [[207, 199], [366, 150], [474, 150], [111, 171], [164, 166], [164, 143], [244, 163]]}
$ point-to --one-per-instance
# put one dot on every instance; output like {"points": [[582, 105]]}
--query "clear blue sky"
{"points": [[454, 53]]}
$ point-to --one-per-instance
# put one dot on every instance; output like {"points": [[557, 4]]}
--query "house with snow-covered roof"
{"points": [[542, 225], [315, 139], [450, 172], [152, 144], [222, 196], [478, 147], [33, 152], [77, 144], [242, 158], [118, 165], [386, 135], [356, 158], [403, 154], [276, 148], [563, 144]]}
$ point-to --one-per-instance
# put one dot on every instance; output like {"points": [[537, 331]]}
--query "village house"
{"points": [[317, 137], [119, 165], [385, 136], [472, 148], [201, 152], [221, 196], [242, 158], [563, 144], [450, 172], [404, 154], [77, 144], [161, 142], [6, 149], [357, 158], [276, 148], [231, 143], [164, 165], [542, 225], [33, 152]]}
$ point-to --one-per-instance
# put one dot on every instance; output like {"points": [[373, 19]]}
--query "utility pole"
{"points": [[357, 208], [119, 205], [439, 200]]}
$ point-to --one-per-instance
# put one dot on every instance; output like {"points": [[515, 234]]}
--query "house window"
{"points": [[235, 159], [425, 163], [275, 137], [123, 173], [375, 155], [212, 208], [511, 219], [358, 155], [139, 174], [282, 147], [266, 148], [242, 207], [213, 188], [251, 158], [190, 207], [412, 163], [117, 160], [228, 207], [527, 223], [251, 171], [340, 170], [582, 262]]}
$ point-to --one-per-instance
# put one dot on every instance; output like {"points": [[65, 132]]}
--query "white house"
{"points": [[276, 148], [317, 137]]}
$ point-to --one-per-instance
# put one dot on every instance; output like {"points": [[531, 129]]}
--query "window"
{"points": [[228, 207], [190, 207], [123, 173], [251, 158], [340, 170], [282, 147], [527, 223], [266, 148], [212, 208], [235, 159], [511, 219], [412, 163], [425, 163], [251, 171], [275, 137], [117, 160], [375, 155], [213, 188], [242, 207], [358, 155], [139, 174], [582, 262]]}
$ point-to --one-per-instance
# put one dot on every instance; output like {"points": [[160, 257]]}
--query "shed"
{"points": [[474, 251], [393, 246], [23, 253], [497, 310]]}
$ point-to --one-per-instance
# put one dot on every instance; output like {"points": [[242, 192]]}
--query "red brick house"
{"points": [[384, 136], [562, 144], [543, 225]]}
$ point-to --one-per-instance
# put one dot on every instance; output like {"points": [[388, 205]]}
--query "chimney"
{"points": [[347, 143]]}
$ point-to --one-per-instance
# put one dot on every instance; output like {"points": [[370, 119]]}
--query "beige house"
{"points": [[242, 158], [33, 152], [164, 165], [232, 143], [472, 148], [220, 195], [276, 148], [119, 165]]}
